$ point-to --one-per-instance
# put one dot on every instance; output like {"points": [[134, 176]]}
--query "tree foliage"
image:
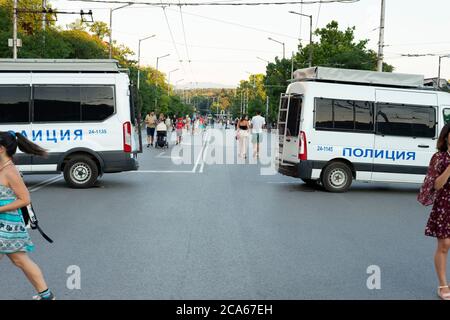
{"points": [[336, 48], [81, 40]]}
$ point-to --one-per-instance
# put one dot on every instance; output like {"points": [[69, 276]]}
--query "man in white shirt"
{"points": [[258, 123]]}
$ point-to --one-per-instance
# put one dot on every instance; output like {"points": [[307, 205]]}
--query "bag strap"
{"points": [[46, 237]]}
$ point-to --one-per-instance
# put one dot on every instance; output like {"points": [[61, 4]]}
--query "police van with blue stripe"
{"points": [[336, 126], [81, 111]]}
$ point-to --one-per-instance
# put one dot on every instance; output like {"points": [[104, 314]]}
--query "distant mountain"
{"points": [[207, 85]]}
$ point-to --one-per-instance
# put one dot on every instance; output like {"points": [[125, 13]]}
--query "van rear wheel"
{"points": [[337, 177], [81, 172]]}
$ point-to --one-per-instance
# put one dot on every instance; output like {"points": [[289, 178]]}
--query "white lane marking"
{"points": [[45, 183], [204, 154], [162, 171], [200, 156]]}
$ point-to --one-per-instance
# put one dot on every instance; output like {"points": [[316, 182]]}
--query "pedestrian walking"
{"points": [[179, 127], [150, 121], [15, 242], [242, 136], [257, 125], [436, 191], [187, 123]]}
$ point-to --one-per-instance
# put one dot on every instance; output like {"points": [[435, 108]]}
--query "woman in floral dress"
{"points": [[15, 242]]}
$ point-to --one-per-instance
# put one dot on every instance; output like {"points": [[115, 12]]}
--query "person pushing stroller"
{"points": [[161, 133]]}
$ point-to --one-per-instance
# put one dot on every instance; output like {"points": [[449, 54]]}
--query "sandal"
{"points": [[445, 296]]}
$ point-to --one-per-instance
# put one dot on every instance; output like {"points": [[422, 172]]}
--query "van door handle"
{"points": [[423, 146], [288, 140]]}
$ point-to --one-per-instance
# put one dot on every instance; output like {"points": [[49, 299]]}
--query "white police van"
{"points": [[81, 111], [339, 125]]}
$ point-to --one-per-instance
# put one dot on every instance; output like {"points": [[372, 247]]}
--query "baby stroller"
{"points": [[161, 136]]}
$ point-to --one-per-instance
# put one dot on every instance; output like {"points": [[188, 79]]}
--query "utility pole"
{"points": [[15, 30], [292, 66], [156, 77], [44, 19], [381, 41], [282, 43], [310, 35], [139, 60]]}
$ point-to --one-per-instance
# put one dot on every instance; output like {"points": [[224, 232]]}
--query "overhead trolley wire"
{"points": [[173, 41], [266, 3], [186, 45]]}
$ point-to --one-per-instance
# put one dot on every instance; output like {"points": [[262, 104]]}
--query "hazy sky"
{"points": [[223, 43]]}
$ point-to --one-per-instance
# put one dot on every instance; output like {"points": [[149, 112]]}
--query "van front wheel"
{"points": [[81, 172], [337, 177]]}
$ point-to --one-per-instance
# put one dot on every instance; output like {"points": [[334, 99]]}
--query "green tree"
{"points": [[100, 29], [335, 48]]}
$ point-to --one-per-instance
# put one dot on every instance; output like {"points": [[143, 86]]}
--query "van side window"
{"points": [[73, 103], [97, 103], [406, 120], [14, 104], [344, 115], [324, 113], [56, 104], [364, 116]]}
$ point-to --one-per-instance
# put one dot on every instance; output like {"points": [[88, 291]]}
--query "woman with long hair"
{"points": [[242, 134], [15, 242], [438, 225]]}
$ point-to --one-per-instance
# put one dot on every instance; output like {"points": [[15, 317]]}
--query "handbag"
{"points": [[29, 217]]}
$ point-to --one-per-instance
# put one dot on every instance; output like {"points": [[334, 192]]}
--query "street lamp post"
{"points": [[168, 87], [176, 83], [139, 59], [310, 34], [110, 25], [282, 43], [156, 76]]}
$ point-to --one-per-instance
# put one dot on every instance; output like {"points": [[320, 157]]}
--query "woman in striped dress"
{"points": [[15, 242]]}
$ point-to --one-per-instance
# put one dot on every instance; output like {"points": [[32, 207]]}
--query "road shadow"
{"points": [[301, 187], [359, 188]]}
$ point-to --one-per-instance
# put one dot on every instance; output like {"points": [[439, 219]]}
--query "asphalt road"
{"points": [[225, 231]]}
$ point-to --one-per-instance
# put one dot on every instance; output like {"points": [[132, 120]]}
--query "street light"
{"points": [[139, 58], [110, 25], [310, 34], [160, 57], [156, 76], [282, 43], [176, 83], [168, 87], [429, 55]]}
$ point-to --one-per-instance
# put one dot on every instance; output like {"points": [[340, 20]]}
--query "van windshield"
{"points": [[293, 118]]}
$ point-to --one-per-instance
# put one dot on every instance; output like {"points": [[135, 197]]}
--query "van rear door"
{"points": [[289, 127], [135, 118]]}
